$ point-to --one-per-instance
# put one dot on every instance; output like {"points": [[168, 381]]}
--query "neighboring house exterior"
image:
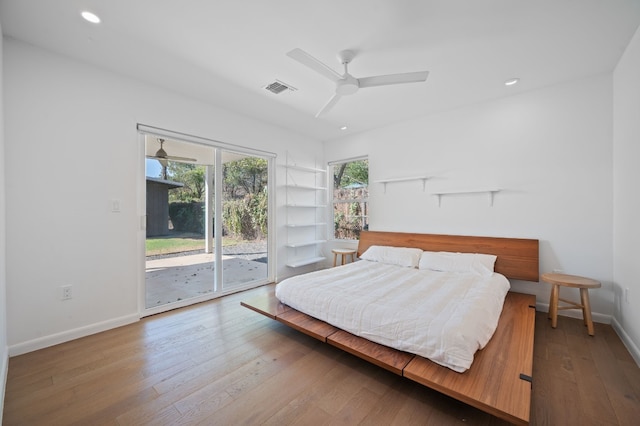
{"points": [[158, 205]]}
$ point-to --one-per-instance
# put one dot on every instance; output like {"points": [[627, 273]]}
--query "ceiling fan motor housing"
{"points": [[347, 86]]}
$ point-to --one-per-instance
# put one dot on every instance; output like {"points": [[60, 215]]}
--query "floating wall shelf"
{"points": [[405, 179], [303, 262], [305, 243], [491, 192]]}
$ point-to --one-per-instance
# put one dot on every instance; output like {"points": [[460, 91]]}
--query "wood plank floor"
{"points": [[220, 363]]}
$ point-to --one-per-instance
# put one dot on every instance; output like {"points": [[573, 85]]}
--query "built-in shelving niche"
{"points": [[306, 210]]}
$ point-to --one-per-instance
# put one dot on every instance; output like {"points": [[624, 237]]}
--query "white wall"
{"points": [[550, 151], [71, 147], [626, 198], [4, 353]]}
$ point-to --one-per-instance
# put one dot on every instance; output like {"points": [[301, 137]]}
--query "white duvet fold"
{"points": [[442, 316]]}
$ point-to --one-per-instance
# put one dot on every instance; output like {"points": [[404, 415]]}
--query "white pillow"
{"points": [[402, 256], [481, 264]]}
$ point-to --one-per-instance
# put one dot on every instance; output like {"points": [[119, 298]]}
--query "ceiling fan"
{"points": [[346, 84], [161, 155]]}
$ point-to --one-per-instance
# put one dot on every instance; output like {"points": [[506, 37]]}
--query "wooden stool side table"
{"points": [[343, 255], [582, 283]]}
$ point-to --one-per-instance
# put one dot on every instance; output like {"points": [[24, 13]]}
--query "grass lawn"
{"points": [[177, 244]]}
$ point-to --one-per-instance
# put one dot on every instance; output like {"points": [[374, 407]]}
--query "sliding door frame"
{"points": [[219, 147]]}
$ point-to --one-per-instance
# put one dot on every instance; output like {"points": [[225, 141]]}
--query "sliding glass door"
{"points": [[245, 205], [207, 221]]}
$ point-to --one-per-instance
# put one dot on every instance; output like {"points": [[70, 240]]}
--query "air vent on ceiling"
{"points": [[279, 87]]}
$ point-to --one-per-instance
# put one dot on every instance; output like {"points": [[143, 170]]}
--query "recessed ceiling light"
{"points": [[511, 81], [343, 128], [91, 17]]}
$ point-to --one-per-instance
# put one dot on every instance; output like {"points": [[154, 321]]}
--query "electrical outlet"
{"points": [[66, 292], [626, 295]]}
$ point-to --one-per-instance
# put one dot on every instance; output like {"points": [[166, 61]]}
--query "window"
{"points": [[350, 198]]}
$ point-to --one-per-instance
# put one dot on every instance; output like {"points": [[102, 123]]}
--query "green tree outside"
{"points": [[192, 176]]}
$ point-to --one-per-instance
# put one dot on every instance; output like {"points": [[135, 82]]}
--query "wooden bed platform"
{"points": [[500, 378]]}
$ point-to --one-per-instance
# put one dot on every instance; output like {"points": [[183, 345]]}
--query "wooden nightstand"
{"points": [[344, 253], [584, 284]]}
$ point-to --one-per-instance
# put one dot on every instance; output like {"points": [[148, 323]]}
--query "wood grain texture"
{"points": [[218, 362], [582, 379], [382, 356], [518, 258], [493, 383], [570, 280], [269, 306], [306, 324]]}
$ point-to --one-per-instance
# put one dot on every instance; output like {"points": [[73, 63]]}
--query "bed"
{"points": [[496, 378]]}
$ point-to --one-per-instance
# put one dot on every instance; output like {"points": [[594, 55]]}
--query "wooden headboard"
{"points": [[518, 258]]}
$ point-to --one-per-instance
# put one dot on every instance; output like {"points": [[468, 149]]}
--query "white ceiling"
{"points": [[225, 51]]}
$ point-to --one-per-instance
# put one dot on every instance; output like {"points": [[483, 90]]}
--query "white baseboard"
{"points": [[4, 368], [576, 313], [633, 349], [65, 336]]}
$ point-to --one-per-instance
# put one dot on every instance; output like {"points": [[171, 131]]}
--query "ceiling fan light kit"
{"points": [[346, 84]]}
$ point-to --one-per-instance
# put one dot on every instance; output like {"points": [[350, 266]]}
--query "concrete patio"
{"points": [[183, 276]]}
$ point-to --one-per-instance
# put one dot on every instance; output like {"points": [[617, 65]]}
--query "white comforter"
{"points": [[443, 316]]}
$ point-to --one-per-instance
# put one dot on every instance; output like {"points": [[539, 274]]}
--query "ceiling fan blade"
{"points": [[305, 59], [161, 155], [334, 100], [172, 158], [384, 80]]}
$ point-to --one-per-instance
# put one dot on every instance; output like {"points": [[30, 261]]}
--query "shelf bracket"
{"points": [[491, 196]]}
